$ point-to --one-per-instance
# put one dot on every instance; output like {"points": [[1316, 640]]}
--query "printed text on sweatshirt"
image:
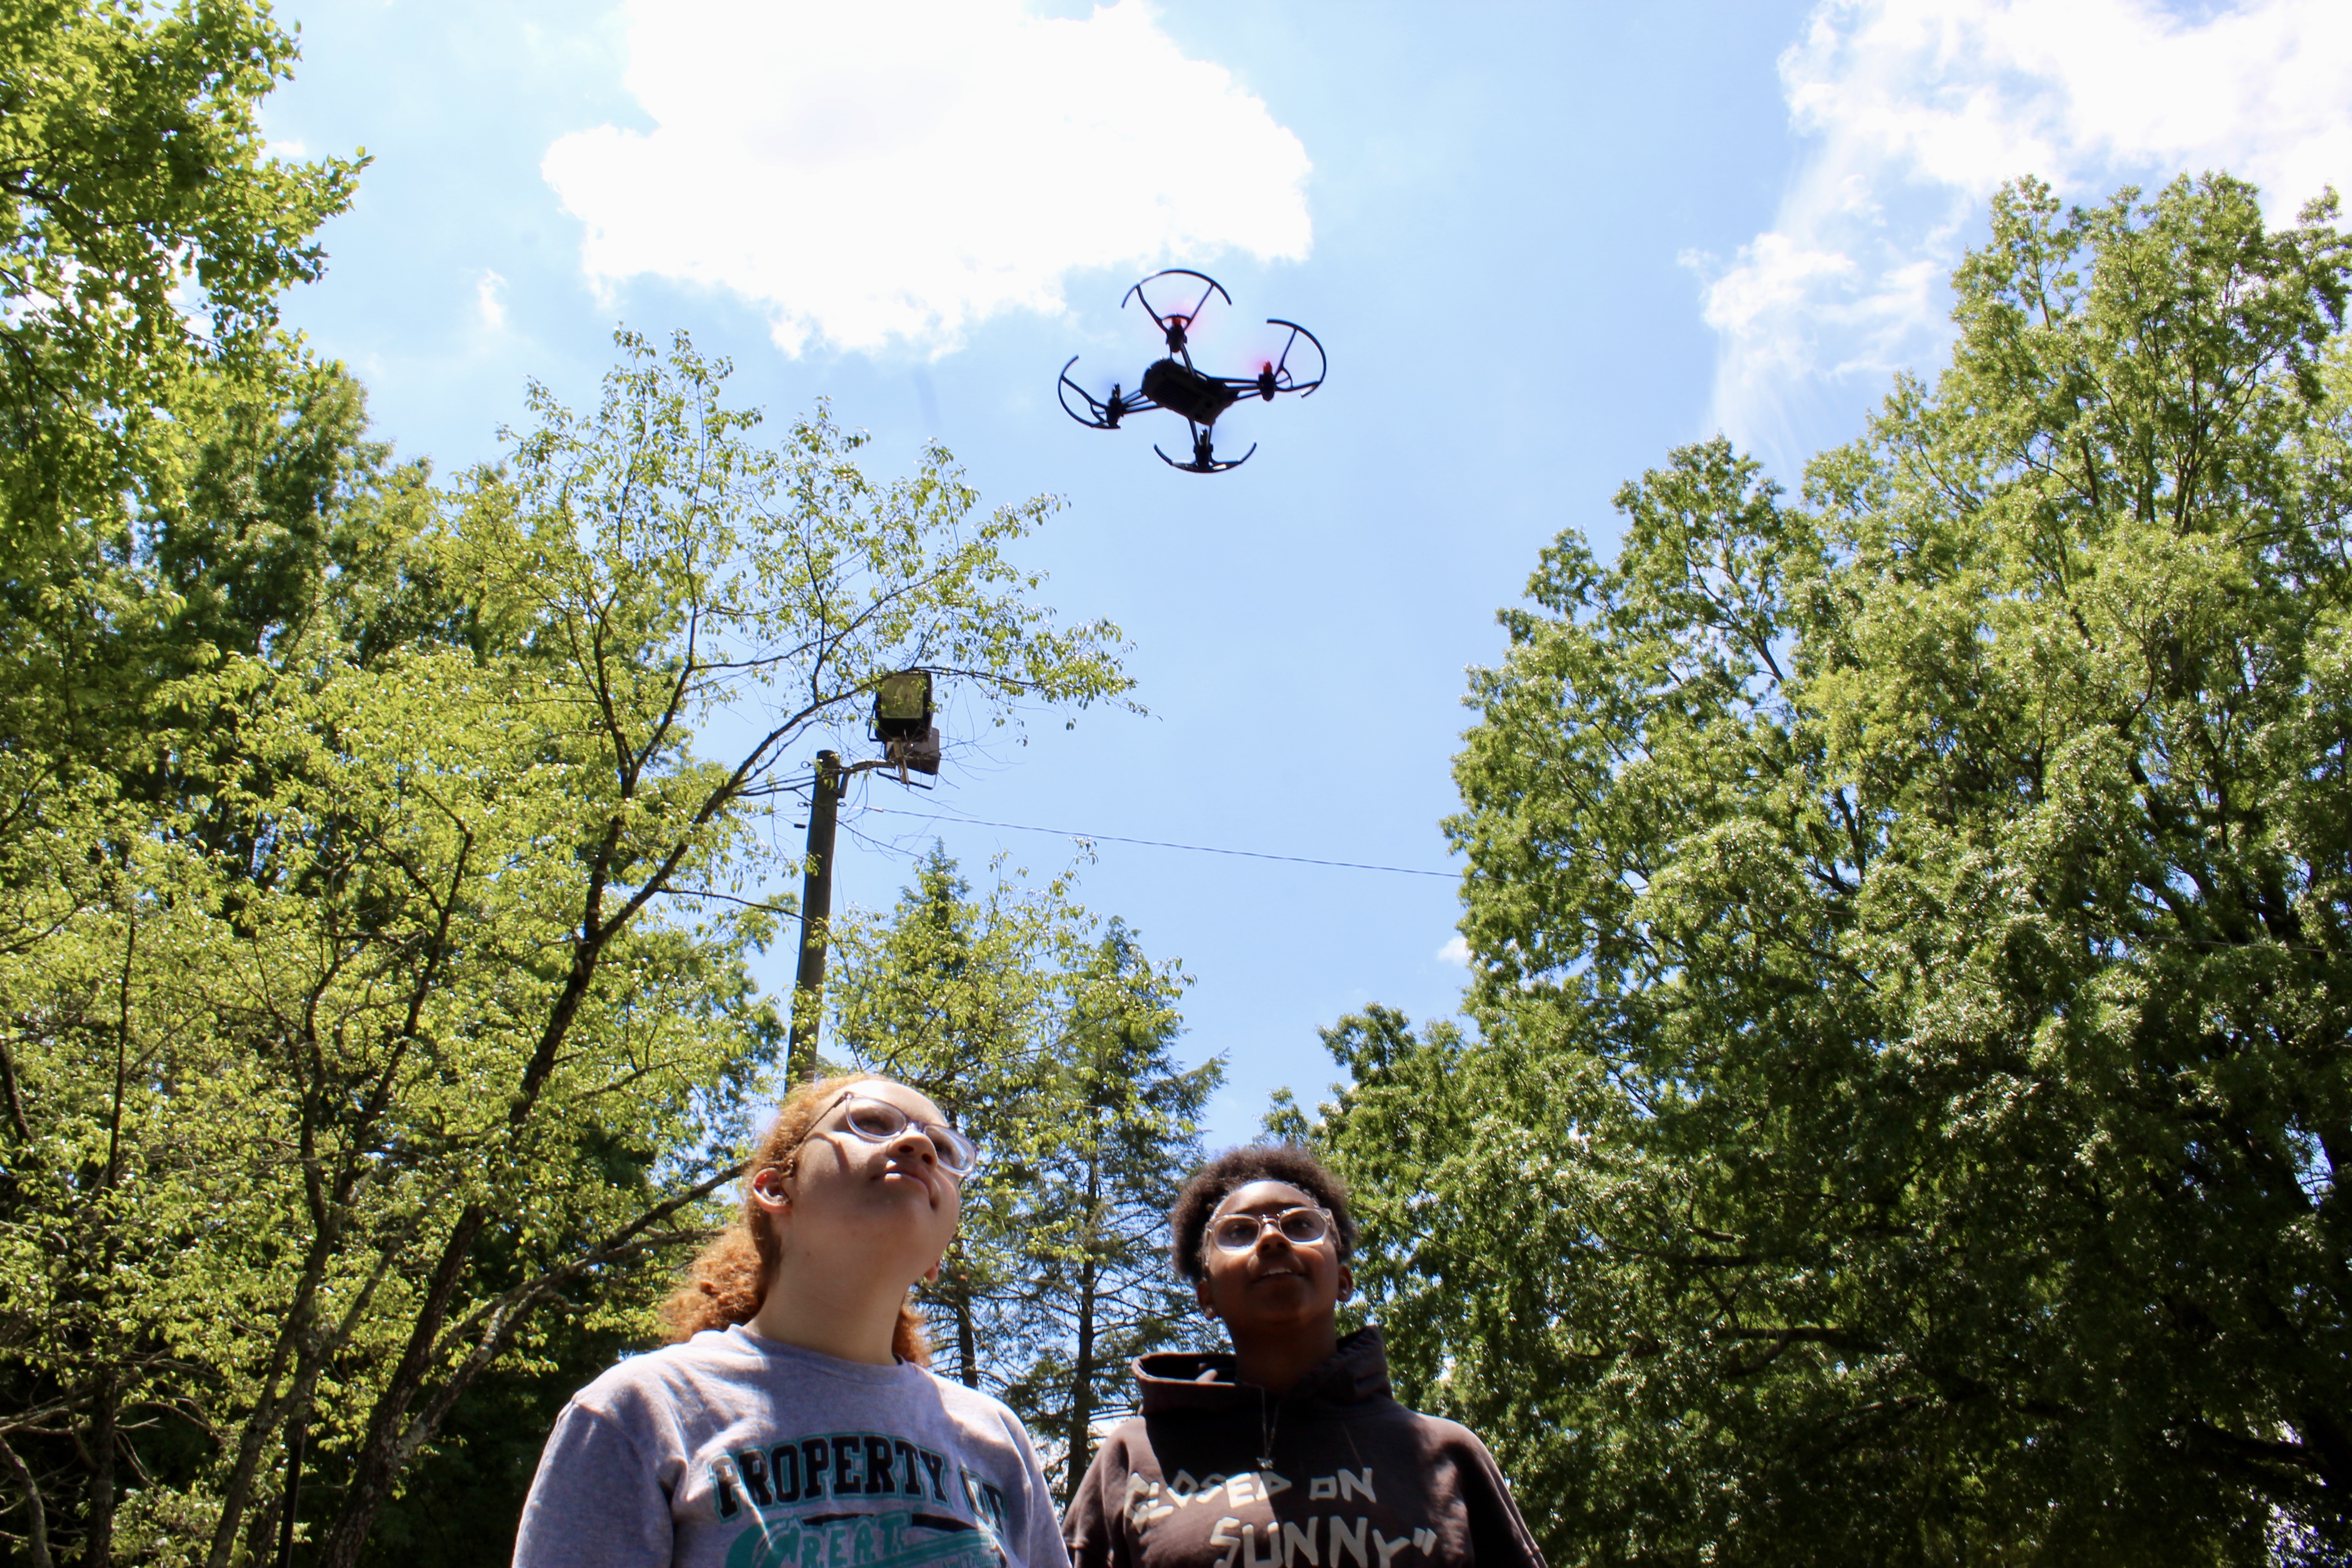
{"points": [[732, 1451], [1357, 1479]]}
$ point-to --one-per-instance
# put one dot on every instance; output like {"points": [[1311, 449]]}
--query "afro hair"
{"points": [[1188, 1222]]}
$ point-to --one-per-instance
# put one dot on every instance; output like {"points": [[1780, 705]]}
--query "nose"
{"points": [[911, 1139]]}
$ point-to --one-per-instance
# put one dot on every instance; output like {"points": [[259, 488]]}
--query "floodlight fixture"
{"points": [[902, 706]]}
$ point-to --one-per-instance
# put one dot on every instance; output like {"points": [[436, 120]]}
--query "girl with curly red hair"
{"points": [[793, 1421]]}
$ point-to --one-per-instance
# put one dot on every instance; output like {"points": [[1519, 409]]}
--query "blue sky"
{"points": [[1543, 245]]}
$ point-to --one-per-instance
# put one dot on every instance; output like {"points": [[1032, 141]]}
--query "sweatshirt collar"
{"points": [[741, 1339], [1174, 1380]]}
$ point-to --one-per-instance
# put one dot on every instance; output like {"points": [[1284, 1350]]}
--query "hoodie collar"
{"points": [[1174, 1380]]}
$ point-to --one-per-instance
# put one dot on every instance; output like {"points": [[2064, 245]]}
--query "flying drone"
{"points": [[1173, 384]]}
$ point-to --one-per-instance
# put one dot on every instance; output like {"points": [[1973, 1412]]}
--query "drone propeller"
{"points": [[1102, 413], [1277, 376], [1175, 324], [1205, 459], [1273, 375]]}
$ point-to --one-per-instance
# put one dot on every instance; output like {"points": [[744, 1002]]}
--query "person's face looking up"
{"points": [[1274, 1286], [862, 1184]]}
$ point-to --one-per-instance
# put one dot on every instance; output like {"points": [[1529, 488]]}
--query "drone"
{"points": [[1171, 383]]}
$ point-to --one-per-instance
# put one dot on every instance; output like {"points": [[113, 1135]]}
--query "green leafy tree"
{"points": [[459, 1504], [1909, 939], [101, 805], [1052, 1046], [391, 1019], [145, 232], [132, 165]]}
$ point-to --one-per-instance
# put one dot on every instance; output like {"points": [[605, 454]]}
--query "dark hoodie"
{"points": [[1356, 1480]]}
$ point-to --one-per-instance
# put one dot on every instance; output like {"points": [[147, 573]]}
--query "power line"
{"points": [[1160, 844]]}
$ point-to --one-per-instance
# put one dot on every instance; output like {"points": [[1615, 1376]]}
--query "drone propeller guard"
{"points": [[1175, 384]]}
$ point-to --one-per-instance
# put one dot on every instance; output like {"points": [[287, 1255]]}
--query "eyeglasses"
{"points": [[1239, 1232], [879, 1122]]}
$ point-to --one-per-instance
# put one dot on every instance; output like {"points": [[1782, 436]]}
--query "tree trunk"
{"points": [[377, 1465], [1082, 1363], [289, 1502], [967, 1338], [97, 1549], [270, 1409], [386, 1449], [36, 1513], [1082, 1382]]}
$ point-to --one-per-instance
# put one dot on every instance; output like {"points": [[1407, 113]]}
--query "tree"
{"points": [[459, 1503], [145, 232], [956, 996], [1123, 1134], [1909, 939], [102, 800], [131, 164], [393, 1008], [1052, 1046]]}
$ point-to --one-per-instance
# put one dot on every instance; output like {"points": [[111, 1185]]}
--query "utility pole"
{"points": [[817, 912], [910, 742]]}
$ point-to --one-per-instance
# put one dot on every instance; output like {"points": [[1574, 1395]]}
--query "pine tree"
{"points": [[1127, 1134], [1053, 1046]]}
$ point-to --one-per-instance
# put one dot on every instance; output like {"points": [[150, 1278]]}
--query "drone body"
{"points": [[1173, 384]]}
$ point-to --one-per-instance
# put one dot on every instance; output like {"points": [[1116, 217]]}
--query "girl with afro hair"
{"points": [[1289, 1450]]}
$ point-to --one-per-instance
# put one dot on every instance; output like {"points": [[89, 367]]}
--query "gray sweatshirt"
{"points": [[732, 1451]]}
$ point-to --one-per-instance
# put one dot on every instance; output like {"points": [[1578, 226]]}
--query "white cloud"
{"points": [[1919, 109], [490, 300], [1455, 952], [903, 169]]}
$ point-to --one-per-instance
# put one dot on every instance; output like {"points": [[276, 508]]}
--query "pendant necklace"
{"points": [[1269, 1421]]}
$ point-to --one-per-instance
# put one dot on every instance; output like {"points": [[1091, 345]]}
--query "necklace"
{"points": [[1269, 1421]]}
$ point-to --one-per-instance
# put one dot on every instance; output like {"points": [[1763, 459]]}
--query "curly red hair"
{"points": [[729, 1279]]}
